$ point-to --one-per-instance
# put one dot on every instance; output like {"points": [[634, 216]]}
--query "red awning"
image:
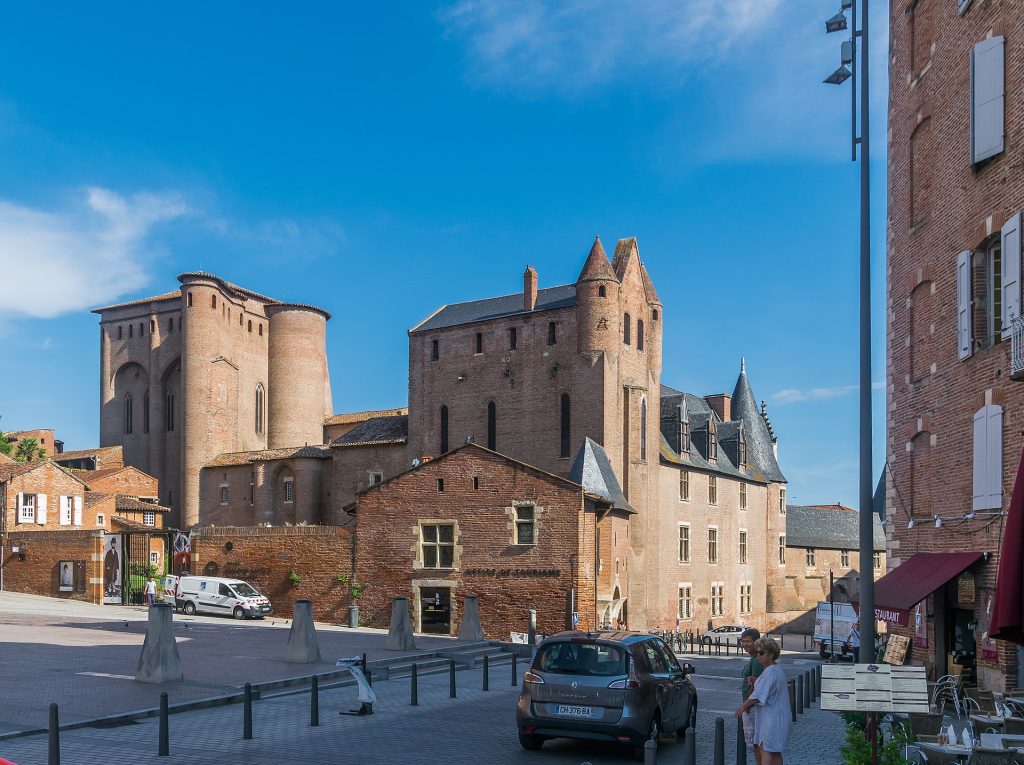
{"points": [[915, 579], [1008, 609]]}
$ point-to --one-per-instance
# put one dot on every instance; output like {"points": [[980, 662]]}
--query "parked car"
{"points": [[609, 686], [726, 635], [217, 595]]}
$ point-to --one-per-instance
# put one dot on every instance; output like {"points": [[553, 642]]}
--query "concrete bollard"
{"points": [[650, 752], [414, 691], [741, 744], [314, 701], [451, 679], [400, 632], [247, 712], [531, 629], [53, 743], [164, 744], [487, 673], [791, 686], [159, 661], [719, 758], [470, 628], [303, 647], [690, 747]]}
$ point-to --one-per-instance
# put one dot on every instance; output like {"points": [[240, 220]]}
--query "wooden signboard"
{"points": [[896, 649], [873, 688]]}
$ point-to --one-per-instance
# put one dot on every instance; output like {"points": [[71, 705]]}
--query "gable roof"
{"points": [[104, 453], [593, 471], [828, 527], [452, 315], [15, 469], [376, 431], [320, 451]]}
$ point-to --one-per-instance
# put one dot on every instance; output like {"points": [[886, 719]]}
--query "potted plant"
{"points": [[355, 590]]}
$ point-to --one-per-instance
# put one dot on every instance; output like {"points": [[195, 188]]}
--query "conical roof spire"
{"points": [[596, 266], [760, 452], [651, 295]]}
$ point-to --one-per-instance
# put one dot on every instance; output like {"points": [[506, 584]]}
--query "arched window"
{"points": [[444, 429], [120, 331], [190, 300], [259, 408], [145, 412], [639, 334], [213, 301], [626, 330], [643, 427], [492, 423], [261, 330], [564, 428], [250, 325], [654, 314], [128, 414], [152, 326], [170, 324]]}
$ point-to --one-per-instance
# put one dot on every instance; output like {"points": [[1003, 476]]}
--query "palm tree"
{"points": [[28, 450]]}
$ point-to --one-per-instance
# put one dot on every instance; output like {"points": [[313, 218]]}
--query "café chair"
{"points": [[925, 723], [982, 756], [1013, 726]]}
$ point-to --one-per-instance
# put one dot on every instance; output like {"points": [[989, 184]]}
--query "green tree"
{"points": [[6, 447], [29, 450]]}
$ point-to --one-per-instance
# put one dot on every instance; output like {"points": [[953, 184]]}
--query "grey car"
{"points": [[606, 686]]}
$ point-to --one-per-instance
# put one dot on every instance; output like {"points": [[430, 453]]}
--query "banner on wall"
{"points": [[921, 625], [113, 552]]}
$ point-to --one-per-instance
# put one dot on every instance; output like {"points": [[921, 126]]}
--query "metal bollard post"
{"points": [[719, 741], [451, 679], [314, 701], [650, 752], [689, 747], [792, 697], [515, 672], [164, 749], [487, 673], [718, 646], [817, 679], [806, 677], [741, 744], [247, 712], [369, 677], [414, 688], [54, 740], [799, 695], [805, 642], [364, 663]]}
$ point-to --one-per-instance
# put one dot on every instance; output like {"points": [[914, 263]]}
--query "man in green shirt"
{"points": [[751, 669]]}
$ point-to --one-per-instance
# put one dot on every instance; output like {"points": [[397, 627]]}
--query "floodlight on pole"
{"points": [[837, 23], [846, 53], [845, 5], [838, 77]]}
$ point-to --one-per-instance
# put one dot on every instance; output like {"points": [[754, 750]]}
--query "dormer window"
{"points": [[712, 444], [743, 453], [684, 437]]}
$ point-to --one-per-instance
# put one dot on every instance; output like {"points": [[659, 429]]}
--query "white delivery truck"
{"points": [[218, 595], [832, 625]]}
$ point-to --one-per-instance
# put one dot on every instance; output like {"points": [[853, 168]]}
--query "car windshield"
{"points": [[581, 659], [244, 590]]}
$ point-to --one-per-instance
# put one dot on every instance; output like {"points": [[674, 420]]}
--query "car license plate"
{"points": [[571, 710]]}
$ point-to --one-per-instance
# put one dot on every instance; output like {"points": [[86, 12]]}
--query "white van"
{"points": [[217, 595], [832, 625]]}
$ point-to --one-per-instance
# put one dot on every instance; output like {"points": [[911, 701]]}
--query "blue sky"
{"points": [[381, 159]]}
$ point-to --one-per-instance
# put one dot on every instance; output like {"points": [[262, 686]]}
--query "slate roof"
{"points": [[347, 418], [593, 471], [828, 527], [760, 451], [320, 451], [452, 315], [377, 431]]}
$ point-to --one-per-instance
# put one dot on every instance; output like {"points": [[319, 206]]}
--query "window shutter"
{"points": [[78, 511], [994, 456], [41, 509], [961, 6], [987, 99], [980, 450], [965, 343], [1011, 272], [65, 510], [17, 508]]}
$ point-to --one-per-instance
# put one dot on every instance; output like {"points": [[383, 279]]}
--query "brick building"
{"points": [[43, 437], [954, 427], [99, 458], [40, 496], [209, 368]]}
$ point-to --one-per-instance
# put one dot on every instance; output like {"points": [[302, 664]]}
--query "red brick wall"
{"points": [[50, 480], [44, 550], [265, 557], [127, 481]]}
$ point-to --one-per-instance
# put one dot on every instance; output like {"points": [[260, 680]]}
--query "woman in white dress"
{"points": [[770, 702]]}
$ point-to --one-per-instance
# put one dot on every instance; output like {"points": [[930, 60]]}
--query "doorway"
{"points": [[436, 610]]}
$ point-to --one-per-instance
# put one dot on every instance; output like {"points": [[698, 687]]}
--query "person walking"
{"points": [[854, 642], [150, 591], [770, 702], [752, 669]]}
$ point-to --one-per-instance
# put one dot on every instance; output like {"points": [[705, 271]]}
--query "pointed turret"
{"points": [[596, 267], [649, 293], [597, 303], [760, 445]]}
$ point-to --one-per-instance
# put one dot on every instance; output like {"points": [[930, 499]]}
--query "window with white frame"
{"points": [[877, 560], [149, 518], [782, 501], [782, 549], [809, 557], [437, 545], [712, 490], [712, 443], [685, 600], [684, 437], [376, 478], [844, 557], [684, 543], [100, 519], [743, 545], [988, 458], [525, 525], [684, 485], [154, 558], [26, 508], [743, 496], [223, 493], [712, 544], [717, 598], [66, 510]]}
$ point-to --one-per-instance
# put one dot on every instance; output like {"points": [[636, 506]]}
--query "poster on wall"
{"points": [[182, 555], [988, 645], [65, 575], [112, 552], [920, 626]]}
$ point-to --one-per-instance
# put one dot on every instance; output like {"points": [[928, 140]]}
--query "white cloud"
{"points": [[95, 251], [799, 395]]}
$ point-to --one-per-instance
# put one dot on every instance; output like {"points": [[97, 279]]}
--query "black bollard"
{"points": [[515, 672], [247, 712], [817, 679], [164, 744], [369, 677], [741, 744], [486, 673], [799, 695], [363, 662], [805, 642], [807, 690], [451, 679], [792, 697], [690, 747], [718, 646], [719, 741], [54, 742], [413, 688], [314, 701]]}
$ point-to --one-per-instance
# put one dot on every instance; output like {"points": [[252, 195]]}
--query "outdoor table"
{"points": [[945, 754], [1000, 741], [988, 721]]}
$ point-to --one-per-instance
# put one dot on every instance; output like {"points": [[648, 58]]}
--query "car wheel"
{"points": [[530, 741], [239, 613], [190, 608]]}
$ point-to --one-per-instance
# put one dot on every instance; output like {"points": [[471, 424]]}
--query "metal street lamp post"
{"points": [[849, 56]]}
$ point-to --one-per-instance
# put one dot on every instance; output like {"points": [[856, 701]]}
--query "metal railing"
{"points": [[1017, 348]]}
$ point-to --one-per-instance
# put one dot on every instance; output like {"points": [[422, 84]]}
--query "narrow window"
{"points": [[261, 330], [131, 330], [260, 395], [190, 300], [440, 484], [643, 429], [145, 412], [743, 453], [685, 601], [252, 493], [809, 555], [476, 482], [994, 262], [743, 546], [782, 549], [844, 558], [877, 559], [524, 525], [213, 301], [684, 437], [712, 545], [142, 329], [684, 484], [100, 519], [169, 412], [128, 414], [601, 291], [782, 501], [639, 334], [444, 429], [654, 315], [552, 332], [743, 496], [492, 425], [684, 544], [712, 443], [513, 340], [152, 326], [433, 350], [250, 325], [241, 318], [564, 442], [289, 491], [170, 324], [120, 332], [626, 331], [223, 495], [712, 490], [479, 343], [437, 545]]}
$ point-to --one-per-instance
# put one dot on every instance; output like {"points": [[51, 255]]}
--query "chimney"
{"points": [[722, 404], [529, 289]]}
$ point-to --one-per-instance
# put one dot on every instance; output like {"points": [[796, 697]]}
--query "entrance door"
{"points": [[436, 610]]}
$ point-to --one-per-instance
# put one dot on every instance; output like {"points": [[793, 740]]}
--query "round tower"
{"points": [[297, 391], [597, 304], [655, 321]]}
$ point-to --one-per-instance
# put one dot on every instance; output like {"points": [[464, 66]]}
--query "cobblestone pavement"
{"points": [[477, 727]]}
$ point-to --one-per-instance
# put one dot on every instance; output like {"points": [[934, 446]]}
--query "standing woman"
{"points": [[770, 701]]}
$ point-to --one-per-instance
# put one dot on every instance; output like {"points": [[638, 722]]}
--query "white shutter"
{"points": [[962, 6], [994, 456], [41, 509], [65, 510], [980, 450], [964, 303], [1011, 272], [78, 511], [17, 509], [987, 99]]}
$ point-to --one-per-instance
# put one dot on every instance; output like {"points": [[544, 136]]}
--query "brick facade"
{"points": [[38, 571], [40, 480]]}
